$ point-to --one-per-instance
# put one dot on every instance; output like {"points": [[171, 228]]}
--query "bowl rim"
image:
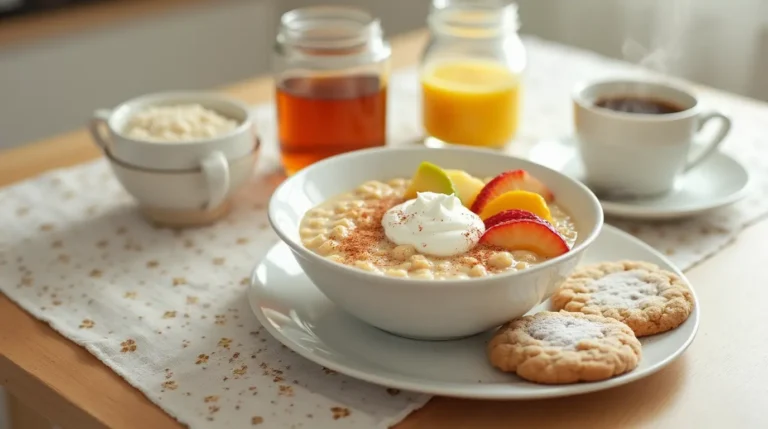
{"points": [[468, 282], [131, 106]]}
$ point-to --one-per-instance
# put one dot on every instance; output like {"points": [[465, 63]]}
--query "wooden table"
{"points": [[721, 381]]}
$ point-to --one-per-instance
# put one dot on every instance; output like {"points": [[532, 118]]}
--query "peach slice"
{"points": [[510, 181], [521, 200], [526, 234], [466, 185], [508, 215]]}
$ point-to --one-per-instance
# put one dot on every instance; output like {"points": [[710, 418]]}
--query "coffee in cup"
{"points": [[636, 138], [641, 105]]}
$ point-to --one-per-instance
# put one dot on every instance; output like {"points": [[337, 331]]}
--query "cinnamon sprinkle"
{"points": [[368, 235]]}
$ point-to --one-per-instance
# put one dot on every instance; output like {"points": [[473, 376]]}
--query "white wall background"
{"points": [[52, 86], [721, 43]]}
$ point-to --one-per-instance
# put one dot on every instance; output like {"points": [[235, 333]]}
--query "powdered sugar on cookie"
{"points": [[561, 347], [648, 299], [628, 289], [565, 332]]}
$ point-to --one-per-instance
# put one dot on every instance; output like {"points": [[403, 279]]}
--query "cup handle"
{"points": [[709, 148], [216, 170], [98, 125]]}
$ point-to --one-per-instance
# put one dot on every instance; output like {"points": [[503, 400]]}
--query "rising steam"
{"points": [[667, 31]]}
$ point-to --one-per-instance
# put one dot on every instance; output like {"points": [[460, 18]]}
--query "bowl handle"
{"points": [[98, 126], [216, 170]]}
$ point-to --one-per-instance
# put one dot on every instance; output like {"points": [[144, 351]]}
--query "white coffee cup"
{"points": [[210, 156], [640, 154]]}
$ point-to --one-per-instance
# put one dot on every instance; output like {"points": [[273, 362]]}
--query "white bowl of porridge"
{"points": [[435, 243]]}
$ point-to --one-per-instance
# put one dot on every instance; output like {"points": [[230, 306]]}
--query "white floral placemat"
{"points": [[167, 311]]}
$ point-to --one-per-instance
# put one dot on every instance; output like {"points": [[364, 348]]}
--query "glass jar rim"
{"points": [[328, 27], [474, 19]]}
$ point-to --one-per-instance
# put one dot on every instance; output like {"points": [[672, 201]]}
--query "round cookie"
{"points": [[642, 295], [563, 348]]}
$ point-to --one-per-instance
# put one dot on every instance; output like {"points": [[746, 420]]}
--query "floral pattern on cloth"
{"points": [[166, 310]]}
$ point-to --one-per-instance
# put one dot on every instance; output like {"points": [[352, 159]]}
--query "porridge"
{"points": [[441, 225], [178, 123]]}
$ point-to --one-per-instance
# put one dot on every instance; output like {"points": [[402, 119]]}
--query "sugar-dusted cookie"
{"points": [[562, 348], [642, 295]]}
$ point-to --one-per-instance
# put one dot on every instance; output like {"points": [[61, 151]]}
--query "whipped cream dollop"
{"points": [[435, 224]]}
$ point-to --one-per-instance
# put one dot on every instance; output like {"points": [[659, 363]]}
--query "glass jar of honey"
{"points": [[471, 72], [331, 68]]}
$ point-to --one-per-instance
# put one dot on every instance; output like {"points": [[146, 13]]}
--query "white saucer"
{"points": [[295, 312], [717, 182]]}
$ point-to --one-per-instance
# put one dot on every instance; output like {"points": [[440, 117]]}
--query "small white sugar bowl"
{"points": [[179, 178]]}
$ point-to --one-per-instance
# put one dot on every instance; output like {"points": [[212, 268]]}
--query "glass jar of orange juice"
{"points": [[470, 73]]}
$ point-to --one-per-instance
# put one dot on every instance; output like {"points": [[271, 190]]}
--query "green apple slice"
{"points": [[430, 178]]}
